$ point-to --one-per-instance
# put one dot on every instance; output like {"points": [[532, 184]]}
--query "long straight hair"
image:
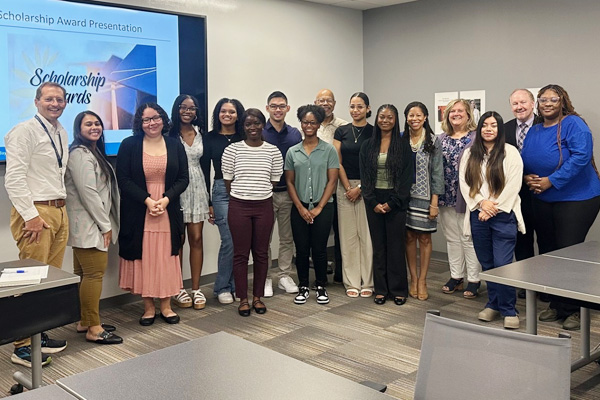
{"points": [[494, 173], [428, 145], [393, 164], [99, 151]]}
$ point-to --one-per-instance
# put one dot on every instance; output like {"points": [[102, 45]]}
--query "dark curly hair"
{"points": [[239, 109], [176, 117], [137, 118], [254, 112], [317, 111], [428, 145]]}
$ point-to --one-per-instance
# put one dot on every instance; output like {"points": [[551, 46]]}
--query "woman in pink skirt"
{"points": [[152, 171]]}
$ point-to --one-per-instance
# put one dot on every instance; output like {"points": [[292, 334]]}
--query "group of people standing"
{"points": [[381, 188]]}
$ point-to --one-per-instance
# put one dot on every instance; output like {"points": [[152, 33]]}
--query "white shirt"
{"points": [[327, 131], [32, 171]]}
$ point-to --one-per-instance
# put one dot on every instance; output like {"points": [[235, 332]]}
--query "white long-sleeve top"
{"points": [[508, 200]]}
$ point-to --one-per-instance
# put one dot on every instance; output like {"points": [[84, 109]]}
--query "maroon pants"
{"points": [[250, 223]]}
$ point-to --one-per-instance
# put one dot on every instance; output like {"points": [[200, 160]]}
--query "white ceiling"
{"points": [[361, 4]]}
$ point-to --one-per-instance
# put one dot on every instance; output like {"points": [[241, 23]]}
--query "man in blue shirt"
{"points": [[280, 134]]}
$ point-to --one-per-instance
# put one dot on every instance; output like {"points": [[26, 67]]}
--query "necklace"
{"points": [[228, 136], [415, 146], [358, 131]]}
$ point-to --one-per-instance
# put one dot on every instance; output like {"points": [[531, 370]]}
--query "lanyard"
{"points": [[58, 156]]}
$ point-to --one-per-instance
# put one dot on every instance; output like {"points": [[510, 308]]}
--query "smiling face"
{"points": [[253, 128], [416, 119], [489, 130], [549, 105], [521, 105], [386, 119], [91, 128], [228, 115], [187, 111], [458, 116], [277, 109], [51, 103], [326, 100], [310, 125], [358, 109], [152, 123]]}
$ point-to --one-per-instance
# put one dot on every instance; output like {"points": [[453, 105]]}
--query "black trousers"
{"points": [[337, 248], [389, 251], [312, 238], [525, 242], [560, 225]]}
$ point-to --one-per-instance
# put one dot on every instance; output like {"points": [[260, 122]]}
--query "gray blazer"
{"points": [[92, 202]]}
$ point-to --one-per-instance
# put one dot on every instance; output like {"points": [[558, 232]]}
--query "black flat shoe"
{"points": [[379, 300], [173, 319], [107, 338], [259, 310], [106, 327], [246, 311], [399, 300], [147, 321]]}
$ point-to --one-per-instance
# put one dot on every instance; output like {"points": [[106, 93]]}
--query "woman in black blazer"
{"points": [[152, 171]]}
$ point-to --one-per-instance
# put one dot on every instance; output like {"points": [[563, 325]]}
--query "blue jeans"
{"points": [[494, 241], [220, 201]]}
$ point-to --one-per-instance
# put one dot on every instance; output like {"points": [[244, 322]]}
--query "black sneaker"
{"points": [[51, 346], [302, 295], [22, 356], [322, 296]]}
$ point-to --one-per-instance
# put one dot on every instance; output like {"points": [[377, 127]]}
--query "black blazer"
{"points": [[132, 182], [510, 132]]}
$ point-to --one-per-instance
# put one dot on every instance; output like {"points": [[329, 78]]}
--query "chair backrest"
{"points": [[460, 360]]}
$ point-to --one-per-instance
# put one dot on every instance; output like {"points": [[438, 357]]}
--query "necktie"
{"points": [[521, 135]]}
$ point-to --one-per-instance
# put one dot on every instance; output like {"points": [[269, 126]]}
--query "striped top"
{"points": [[251, 170]]}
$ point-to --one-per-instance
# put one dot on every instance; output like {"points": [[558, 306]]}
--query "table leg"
{"points": [[36, 361], [531, 312]]}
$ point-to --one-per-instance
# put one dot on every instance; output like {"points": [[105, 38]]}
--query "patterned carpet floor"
{"points": [[350, 337]]}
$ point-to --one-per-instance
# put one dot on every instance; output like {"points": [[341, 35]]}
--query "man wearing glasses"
{"points": [[280, 134], [326, 99], [36, 159]]}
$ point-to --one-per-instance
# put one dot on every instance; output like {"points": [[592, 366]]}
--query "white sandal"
{"points": [[199, 299], [183, 299]]}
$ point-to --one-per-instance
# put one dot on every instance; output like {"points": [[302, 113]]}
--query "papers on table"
{"points": [[23, 276]]}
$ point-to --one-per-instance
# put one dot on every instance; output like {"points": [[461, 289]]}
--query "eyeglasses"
{"points": [[157, 118], [309, 123], [553, 100], [183, 108], [275, 107], [325, 101]]}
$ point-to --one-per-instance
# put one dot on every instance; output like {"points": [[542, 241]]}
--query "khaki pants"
{"points": [[282, 209], [355, 241], [51, 248], [90, 265]]}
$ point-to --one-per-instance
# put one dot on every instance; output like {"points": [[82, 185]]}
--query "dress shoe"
{"points": [[245, 312], [399, 300], [511, 322], [106, 338], [106, 327], [488, 314], [147, 321], [548, 315], [412, 289], [259, 307], [422, 291], [572, 322], [379, 300], [522, 293], [173, 319]]}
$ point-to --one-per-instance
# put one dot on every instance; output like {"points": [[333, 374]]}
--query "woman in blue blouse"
{"points": [[560, 171]]}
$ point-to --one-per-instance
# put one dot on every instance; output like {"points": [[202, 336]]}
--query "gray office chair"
{"points": [[460, 360]]}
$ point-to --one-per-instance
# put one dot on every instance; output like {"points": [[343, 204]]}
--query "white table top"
{"points": [[573, 272], [56, 277], [219, 366]]}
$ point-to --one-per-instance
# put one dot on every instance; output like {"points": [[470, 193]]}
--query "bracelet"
{"points": [[432, 206], [349, 187]]}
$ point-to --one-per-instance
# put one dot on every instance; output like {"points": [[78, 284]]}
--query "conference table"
{"points": [[219, 366], [32, 309], [572, 273]]}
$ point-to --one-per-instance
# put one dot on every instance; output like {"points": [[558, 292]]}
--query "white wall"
{"points": [[254, 48]]}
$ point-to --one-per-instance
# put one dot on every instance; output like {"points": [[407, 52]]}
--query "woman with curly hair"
{"points": [[386, 172], [561, 173]]}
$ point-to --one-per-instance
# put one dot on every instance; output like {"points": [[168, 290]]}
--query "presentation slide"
{"points": [[108, 59]]}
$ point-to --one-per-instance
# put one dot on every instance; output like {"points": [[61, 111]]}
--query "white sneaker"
{"points": [[225, 298], [269, 287], [287, 283]]}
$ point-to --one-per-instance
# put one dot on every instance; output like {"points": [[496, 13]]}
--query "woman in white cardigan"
{"points": [[490, 174], [93, 209]]}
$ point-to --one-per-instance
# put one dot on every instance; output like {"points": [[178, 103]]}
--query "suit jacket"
{"points": [[132, 182], [92, 201], [510, 132]]}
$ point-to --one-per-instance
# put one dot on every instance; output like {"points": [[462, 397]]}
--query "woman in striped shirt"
{"points": [[250, 169]]}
